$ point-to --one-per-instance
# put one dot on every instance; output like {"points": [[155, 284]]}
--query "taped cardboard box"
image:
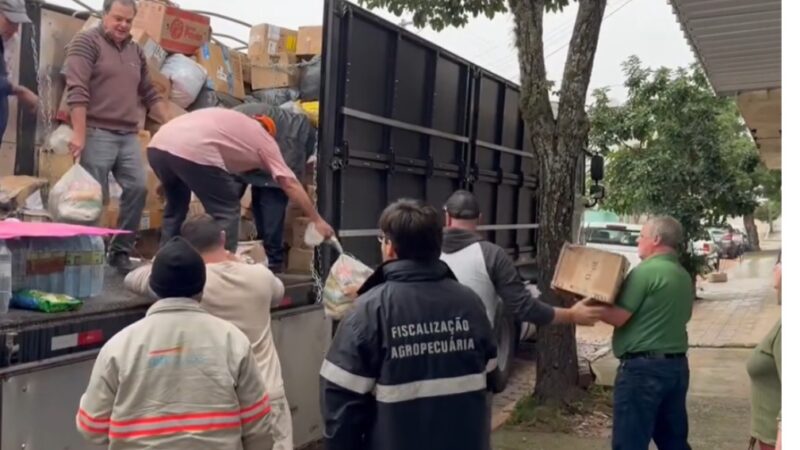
{"points": [[176, 30], [309, 41], [267, 39], [244, 62], [15, 189], [278, 72], [223, 68], [297, 235], [299, 261], [589, 272], [53, 166], [153, 52]]}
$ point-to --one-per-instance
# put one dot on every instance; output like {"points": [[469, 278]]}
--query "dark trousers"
{"points": [[216, 189], [650, 403], [269, 213]]}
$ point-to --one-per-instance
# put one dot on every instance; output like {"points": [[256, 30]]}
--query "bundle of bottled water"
{"points": [[73, 266]]}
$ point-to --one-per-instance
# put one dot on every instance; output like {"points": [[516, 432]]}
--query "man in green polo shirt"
{"points": [[650, 339]]}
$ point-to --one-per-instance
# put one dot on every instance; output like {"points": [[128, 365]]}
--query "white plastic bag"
{"points": [[346, 277], [76, 198], [188, 79], [59, 139]]}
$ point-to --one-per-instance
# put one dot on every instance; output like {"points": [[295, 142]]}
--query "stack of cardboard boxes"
{"points": [[270, 63], [300, 256], [274, 53]]}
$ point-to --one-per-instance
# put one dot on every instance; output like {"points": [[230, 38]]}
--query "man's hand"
{"points": [[27, 98], [76, 144], [586, 312], [324, 229]]}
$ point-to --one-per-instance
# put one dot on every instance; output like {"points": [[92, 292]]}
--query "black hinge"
{"points": [[341, 156], [341, 8]]}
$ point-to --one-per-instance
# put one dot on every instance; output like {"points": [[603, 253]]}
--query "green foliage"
{"points": [[770, 211], [674, 148], [439, 14]]}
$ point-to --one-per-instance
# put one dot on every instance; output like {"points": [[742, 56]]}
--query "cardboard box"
{"points": [[266, 39], [154, 53], [244, 62], [52, 166], [309, 41], [718, 277], [152, 217], [300, 261], [589, 272], [91, 22], [252, 252], [174, 111], [299, 225], [279, 72], [160, 81], [176, 30], [224, 70], [17, 188]]}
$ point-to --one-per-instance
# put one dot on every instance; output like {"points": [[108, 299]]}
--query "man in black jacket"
{"points": [[488, 270], [407, 368]]}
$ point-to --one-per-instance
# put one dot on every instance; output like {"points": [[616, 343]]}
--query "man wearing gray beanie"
{"points": [[180, 378]]}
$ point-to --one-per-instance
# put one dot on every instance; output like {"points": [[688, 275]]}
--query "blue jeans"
{"points": [[650, 403], [121, 154], [269, 213]]}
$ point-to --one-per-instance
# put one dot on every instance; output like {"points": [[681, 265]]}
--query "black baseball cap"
{"points": [[463, 205]]}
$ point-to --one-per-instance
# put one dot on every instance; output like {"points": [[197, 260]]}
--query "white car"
{"points": [[619, 238]]}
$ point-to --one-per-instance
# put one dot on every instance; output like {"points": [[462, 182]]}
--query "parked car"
{"points": [[730, 242], [620, 238], [706, 246]]}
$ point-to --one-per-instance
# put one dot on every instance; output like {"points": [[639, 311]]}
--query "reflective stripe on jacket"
{"points": [[180, 379]]}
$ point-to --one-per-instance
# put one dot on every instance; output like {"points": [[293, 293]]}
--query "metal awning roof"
{"points": [[738, 42]]}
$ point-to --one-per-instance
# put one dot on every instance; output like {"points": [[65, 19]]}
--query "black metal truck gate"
{"points": [[402, 117]]}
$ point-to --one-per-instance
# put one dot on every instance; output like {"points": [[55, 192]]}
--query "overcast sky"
{"points": [[646, 28]]}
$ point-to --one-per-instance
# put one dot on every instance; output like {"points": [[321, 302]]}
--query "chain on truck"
{"points": [[399, 117]]}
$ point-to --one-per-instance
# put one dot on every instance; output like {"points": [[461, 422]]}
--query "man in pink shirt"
{"points": [[199, 152]]}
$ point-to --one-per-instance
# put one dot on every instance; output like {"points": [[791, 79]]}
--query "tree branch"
{"points": [[572, 119], [535, 89]]}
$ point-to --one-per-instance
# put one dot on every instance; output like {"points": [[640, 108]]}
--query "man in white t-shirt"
{"points": [[241, 294]]}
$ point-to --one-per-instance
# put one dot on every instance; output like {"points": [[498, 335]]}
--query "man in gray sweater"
{"points": [[106, 75], [488, 270]]}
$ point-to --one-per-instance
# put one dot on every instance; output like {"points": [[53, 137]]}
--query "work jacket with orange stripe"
{"points": [[407, 368], [180, 379]]}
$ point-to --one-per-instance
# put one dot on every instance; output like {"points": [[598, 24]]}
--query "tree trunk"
{"points": [[557, 145], [752, 231]]}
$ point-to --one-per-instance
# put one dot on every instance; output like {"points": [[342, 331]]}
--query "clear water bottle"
{"points": [[58, 254], [6, 277], [98, 264], [19, 250], [87, 256], [72, 267]]}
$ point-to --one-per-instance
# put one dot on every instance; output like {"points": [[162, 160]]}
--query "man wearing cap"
{"points": [[487, 269], [106, 80], [297, 140], [12, 14], [180, 378], [200, 152]]}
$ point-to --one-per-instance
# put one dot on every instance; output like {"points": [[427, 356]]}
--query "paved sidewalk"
{"points": [[737, 313]]}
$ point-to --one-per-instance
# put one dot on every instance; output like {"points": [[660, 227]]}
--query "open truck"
{"points": [[400, 117]]}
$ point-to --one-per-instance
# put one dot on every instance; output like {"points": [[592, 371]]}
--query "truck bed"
{"points": [[29, 336]]}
